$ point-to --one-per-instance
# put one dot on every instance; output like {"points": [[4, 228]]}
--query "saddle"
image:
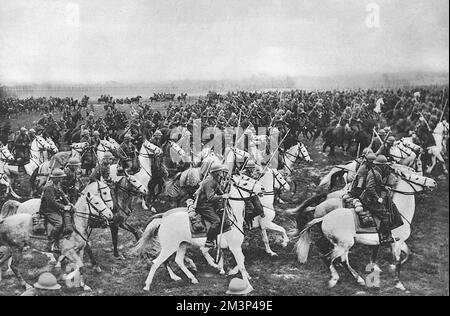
{"points": [[199, 226]]}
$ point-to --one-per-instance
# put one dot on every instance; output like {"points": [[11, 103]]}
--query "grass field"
{"points": [[426, 273]]}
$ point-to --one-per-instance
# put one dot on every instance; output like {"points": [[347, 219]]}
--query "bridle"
{"points": [[130, 192], [92, 216], [288, 155]]}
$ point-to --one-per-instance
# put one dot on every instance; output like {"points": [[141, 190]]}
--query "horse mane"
{"points": [[9, 208]]}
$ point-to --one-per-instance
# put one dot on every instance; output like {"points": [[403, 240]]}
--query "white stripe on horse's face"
{"points": [[6, 154]]}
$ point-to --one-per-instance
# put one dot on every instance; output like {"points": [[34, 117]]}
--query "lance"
{"points": [[273, 155], [443, 110], [425, 120]]}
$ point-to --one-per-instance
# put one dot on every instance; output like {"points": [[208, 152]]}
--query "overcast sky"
{"points": [[91, 41]]}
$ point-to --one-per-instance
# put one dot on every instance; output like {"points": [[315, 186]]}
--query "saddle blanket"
{"points": [[366, 229]]}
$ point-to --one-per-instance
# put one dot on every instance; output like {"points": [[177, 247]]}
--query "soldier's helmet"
{"points": [[127, 136], [23, 129], [96, 133], [381, 160], [250, 164], [32, 131], [157, 133], [390, 140], [73, 162], [57, 173], [216, 167], [371, 157]]}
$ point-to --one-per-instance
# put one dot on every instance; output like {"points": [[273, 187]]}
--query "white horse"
{"points": [[5, 157], [403, 153], [16, 233], [271, 181], [39, 153], [104, 146], [339, 228], [59, 160], [437, 152], [174, 232]]}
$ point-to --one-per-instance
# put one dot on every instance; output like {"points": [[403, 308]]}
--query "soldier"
{"points": [[69, 183], [372, 197], [32, 134], [210, 200], [22, 146], [95, 141], [157, 138], [127, 153], [359, 182], [56, 209], [101, 172], [386, 148]]}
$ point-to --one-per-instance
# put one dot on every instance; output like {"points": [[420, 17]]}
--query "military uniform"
{"points": [[52, 208], [69, 184], [22, 146], [209, 201], [127, 153], [101, 172], [372, 199]]}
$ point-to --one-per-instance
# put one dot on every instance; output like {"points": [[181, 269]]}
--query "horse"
{"points": [[16, 233], [338, 227], [59, 160], [5, 157], [38, 154], [174, 233], [127, 192], [271, 180], [336, 136], [437, 152], [104, 146]]}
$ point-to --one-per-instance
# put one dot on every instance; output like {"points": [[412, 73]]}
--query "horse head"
{"points": [[132, 186], [299, 151], [244, 187], [96, 207], [5, 154], [279, 182], [53, 147], [100, 189]]}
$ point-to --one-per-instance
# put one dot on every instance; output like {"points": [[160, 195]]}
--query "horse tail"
{"points": [[299, 211], [305, 204], [304, 242], [148, 239], [9, 208]]}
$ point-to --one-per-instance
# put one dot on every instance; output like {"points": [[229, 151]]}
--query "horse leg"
{"points": [[239, 257], [433, 164], [275, 227], [352, 271], [179, 259], [131, 229], [94, 262], [265, 239], [396, 252], [16, 259], [172, 275], [114, 235], [163, 256]]}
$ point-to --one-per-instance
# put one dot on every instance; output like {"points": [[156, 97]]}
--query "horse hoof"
{"points": [[194, 281], [273, 254], [86, 288], [392, 267], [400, 286], [284, 244], [146, 288], [361, 281], [97, 269], [332, 283], [176, 278], [119, 257]]}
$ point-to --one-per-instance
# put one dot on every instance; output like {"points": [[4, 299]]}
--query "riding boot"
{"points": [[385, 232], [68, 225]]}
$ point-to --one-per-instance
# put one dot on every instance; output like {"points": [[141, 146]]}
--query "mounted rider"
{"points": [[69, 183], [385, 149], [55, 209], [359, 183], [210, 200], [22, 146], [253, 205], [101, 172], [127, 152], [373, 196]]}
